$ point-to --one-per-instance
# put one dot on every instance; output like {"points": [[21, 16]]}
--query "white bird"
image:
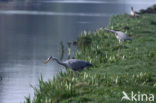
{"points": [[133, 13], [119, 35], [74, 64]]}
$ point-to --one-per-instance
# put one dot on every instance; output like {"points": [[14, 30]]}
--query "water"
{"points": [[32, 30]]}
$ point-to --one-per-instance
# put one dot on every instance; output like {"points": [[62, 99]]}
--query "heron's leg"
{"points": [[119, 41]]}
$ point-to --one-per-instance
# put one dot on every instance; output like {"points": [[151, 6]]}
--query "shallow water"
{"points": [[31, 30]]}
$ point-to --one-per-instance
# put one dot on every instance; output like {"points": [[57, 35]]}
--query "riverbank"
{"points": [[130, 66], [151, 10]]}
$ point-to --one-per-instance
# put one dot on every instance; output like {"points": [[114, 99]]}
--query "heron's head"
{"points": [[48, 60], [131, 8]]}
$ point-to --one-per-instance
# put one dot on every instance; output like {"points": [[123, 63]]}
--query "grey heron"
{"points": [[119, 35], [133, 13], [74, 64]]}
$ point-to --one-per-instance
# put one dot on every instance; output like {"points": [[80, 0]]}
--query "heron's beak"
{"points": [[46, 61]]}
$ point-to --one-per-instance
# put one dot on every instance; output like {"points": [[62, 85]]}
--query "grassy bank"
{"points": [[130, 66]]}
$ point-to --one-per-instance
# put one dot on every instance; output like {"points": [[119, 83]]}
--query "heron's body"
{"points": [[122, 36], [133, 13], [74, 64], [119, 35]]}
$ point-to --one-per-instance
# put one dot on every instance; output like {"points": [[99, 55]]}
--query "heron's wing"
{"points": [[77, 64], [123, 35]]}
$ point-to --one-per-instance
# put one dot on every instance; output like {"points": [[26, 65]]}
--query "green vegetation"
{"points": [[130, 66], [151, 9]]}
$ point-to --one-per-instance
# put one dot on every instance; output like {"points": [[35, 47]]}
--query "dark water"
{"points": [[32, 30]]}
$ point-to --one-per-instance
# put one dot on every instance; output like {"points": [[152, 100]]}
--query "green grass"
{"points": [[130, 66]]}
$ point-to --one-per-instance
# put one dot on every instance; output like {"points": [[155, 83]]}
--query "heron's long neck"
{"points": [[61, 63], [110, 30]]}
